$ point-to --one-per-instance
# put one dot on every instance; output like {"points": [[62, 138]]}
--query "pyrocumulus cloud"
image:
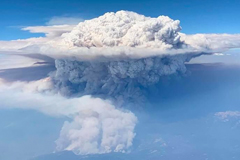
{"points": [[115, 56]]}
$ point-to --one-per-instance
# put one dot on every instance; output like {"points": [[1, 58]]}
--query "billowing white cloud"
{"points": [[96, 126], [126, 29], [100, 129]]}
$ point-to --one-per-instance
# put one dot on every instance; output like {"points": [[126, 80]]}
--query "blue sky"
{"points": [[205, 16]]}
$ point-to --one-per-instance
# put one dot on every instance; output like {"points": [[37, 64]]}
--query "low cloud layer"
{"points": [[96, 126]]}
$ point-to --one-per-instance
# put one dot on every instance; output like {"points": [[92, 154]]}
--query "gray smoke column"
{"points": [[120, 80], [117, 75], [129, 52]]}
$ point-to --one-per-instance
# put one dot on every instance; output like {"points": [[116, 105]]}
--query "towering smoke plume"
{"points": [[121, 78], [117, 56]]}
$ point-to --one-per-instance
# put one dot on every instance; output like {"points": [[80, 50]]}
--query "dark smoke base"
{"points": [[122, 81]]}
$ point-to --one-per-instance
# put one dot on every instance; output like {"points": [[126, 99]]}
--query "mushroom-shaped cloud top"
{"points": [[125, 28]]}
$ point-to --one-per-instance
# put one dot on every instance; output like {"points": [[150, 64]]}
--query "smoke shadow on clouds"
{"points": [[32, 73]]}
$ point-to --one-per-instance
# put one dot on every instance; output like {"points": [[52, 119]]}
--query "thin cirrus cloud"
{"points": [[64, 20], [228, 115], [50, 31], [55, 26]]}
